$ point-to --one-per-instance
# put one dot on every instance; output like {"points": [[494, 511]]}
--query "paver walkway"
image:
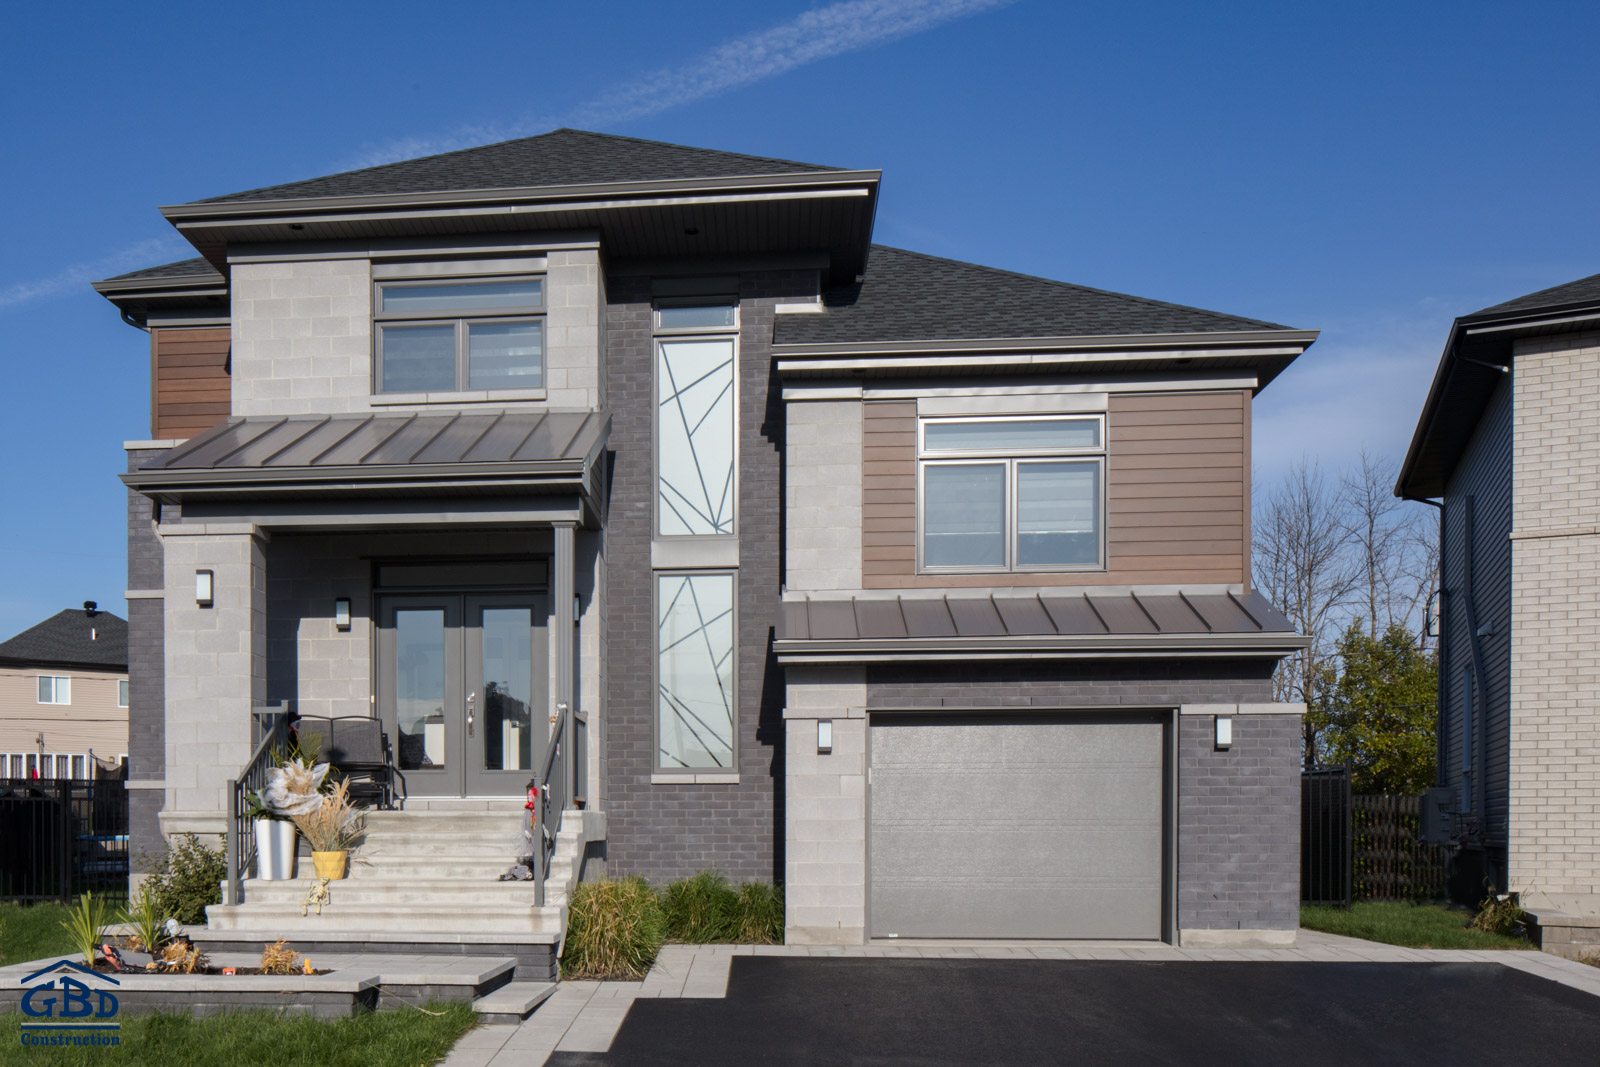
{"points": [[584, 1017]]}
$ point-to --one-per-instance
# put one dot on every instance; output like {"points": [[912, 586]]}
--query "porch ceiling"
{"points": [[492, 453]]}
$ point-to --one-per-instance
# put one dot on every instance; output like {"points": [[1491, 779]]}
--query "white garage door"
{"points": [[1042, 827]]}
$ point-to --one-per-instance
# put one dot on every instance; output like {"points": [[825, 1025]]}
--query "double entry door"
{"points": [[462, 688]]}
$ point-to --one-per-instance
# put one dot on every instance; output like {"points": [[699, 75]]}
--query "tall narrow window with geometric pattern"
{"points": [[695, 706], [694, 437]]}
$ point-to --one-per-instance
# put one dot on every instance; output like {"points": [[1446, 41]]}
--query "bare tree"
{"points": [[1302, 563], [1377, 524]]}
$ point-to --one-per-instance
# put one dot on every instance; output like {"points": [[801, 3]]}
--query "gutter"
{"points": [[851, 650], [1298, 340]]}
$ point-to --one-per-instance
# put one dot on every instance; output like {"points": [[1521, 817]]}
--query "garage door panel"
{"points": [[1034, 827]]}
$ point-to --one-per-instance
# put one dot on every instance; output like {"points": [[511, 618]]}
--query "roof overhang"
{"points": [[831, 211], [139, 298], [1266, 353], [1477, 357]]}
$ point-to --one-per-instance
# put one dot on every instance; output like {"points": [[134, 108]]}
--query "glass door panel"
{"points": [[507, 672], [419, 691]]}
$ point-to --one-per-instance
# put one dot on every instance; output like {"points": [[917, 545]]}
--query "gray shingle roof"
{"points": [[910, 296], [196, 268], [64, 640], [561, 157], [1582, 291]]}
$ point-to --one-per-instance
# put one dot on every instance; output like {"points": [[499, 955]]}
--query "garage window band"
{"points": [[1015, 493]]}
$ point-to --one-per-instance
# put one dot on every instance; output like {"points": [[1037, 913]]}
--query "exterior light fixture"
{"points": [[204, 590], [1224, 732], [341, 613], [824, 736]]}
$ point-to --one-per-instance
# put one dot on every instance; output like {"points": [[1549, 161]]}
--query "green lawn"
{"points": [[403, 1037], [1409, 925], [32, 932]]}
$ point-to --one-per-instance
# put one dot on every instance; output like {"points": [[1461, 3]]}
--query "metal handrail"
{"points": [[555, 793], [241, 843]]}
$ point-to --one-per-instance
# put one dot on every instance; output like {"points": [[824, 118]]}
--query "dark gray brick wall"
{"points": [[669, 831], [1069, 683], [147, 734], [1239, 824], [1238, 811]]}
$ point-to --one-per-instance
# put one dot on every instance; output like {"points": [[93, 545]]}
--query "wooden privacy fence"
{"points": [[1389, 859]]}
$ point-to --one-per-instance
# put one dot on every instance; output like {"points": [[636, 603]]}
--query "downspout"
{"points": [[129, 320]]}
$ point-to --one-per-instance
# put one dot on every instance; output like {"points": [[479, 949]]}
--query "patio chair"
{"points": [[358, 749]]}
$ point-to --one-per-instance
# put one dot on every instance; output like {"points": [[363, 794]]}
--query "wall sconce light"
{"points": [[1224, 733], [203, 588], [824, 736], [341, 613]]}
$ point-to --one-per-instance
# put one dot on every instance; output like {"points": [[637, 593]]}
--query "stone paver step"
{"points": [[353, 917], [357, 890], [512, 1002]]}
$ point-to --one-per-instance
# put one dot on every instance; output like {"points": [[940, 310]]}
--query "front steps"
{"points": [[422, 882]]}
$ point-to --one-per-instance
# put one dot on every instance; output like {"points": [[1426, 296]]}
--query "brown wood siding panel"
{"points": [[190, 387], [1177, 488]]}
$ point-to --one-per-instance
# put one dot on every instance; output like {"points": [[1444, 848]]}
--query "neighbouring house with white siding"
{"points": [[1507, 441], [64, 695]]}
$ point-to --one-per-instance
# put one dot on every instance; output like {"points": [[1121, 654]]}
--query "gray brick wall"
{"points": [[1070, 683], [147, 735], [1239, 824], [668, 831]]}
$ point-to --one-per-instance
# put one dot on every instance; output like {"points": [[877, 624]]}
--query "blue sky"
{"points": [[1370, 170]]}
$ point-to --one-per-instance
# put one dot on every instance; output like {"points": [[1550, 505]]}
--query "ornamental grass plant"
{"points": [[614, 930], [334, 825]]}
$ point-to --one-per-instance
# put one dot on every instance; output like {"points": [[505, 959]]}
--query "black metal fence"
{"points": [[1390, 860], [1325, 869], [62, 836]]}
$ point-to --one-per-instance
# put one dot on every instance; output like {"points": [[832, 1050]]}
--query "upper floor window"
{"points": [[455, 334], [1011, 493], [122, 692], [55, 689], [695, 419]]}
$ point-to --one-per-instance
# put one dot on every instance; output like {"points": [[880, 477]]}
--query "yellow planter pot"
{"points": [[330, 865]]}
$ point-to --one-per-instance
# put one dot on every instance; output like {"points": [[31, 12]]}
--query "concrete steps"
{"points": [[512, 1003]]}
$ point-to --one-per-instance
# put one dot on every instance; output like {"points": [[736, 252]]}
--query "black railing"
{"points": [[555, 793], [272, 728], [1325, 837], [62, 836]]}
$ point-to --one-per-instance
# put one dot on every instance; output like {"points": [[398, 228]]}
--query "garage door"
{"points": [[1015, 828]]}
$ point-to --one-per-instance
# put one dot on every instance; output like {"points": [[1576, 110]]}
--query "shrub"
{"points": [[760, 914], [279, 958], [1499, 914], [85, 925], [614, 930], [187, 878], [701, 910], [144, 914]]}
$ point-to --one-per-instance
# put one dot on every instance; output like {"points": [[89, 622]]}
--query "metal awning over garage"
{"points": [[864, 629], [492, 453]]}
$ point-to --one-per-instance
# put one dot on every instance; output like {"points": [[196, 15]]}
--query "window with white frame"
{"points": [[695, 671], [55, 689], [457, 334], [695, 418], [122, 692], [1011, 493]]}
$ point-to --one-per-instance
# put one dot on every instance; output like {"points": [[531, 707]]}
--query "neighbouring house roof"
{"points": [[77, 637], [524, 449], [912, 296], [560, 157], [935, 627], [1476, 357]]}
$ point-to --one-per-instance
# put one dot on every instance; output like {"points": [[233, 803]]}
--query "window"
{"points": [[55, 689], [122, 692], [695, 672], [448, 335], [695, 421], [1014, 493]]}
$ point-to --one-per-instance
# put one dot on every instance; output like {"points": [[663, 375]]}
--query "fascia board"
{"points": [[575, 195], [435, 475], [1273, 644], [1280, 342], [972, 356]]}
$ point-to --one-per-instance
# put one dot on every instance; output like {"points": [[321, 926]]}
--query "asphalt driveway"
{"points": [[880, 1011]]}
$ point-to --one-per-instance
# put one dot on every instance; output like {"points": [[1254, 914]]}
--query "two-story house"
{"points": [[64, 695], [919, 586], [1506, 440]]}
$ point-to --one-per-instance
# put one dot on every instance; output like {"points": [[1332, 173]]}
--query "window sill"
{"points": [[699, 778], [468, 396]]}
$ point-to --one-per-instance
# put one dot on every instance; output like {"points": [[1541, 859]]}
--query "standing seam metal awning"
{"points": [[1068, 623], [527, 449]]}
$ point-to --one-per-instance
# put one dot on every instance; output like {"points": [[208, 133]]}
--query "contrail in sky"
{"points": [[143, 254], [820, 34]]}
